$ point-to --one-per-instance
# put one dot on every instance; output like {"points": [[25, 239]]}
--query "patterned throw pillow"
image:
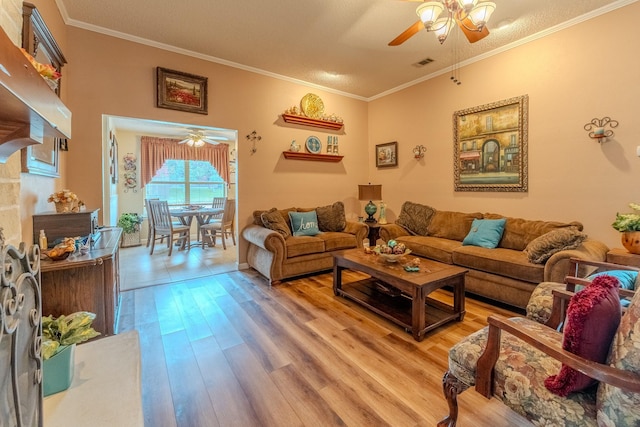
{"points": [[593, 316], [273, 220], [415, 218], [304, 223], [332, 217], [539, 250]]}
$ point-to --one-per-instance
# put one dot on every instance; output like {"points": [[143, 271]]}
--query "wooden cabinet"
{"points": [[89, 282], [67, 224]]}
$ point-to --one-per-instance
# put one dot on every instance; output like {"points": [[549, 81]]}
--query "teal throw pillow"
{"points": [[626, 278], [304, 223], [485, 233]]}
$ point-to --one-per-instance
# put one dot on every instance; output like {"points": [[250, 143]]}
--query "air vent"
{"points": [[423, 62]]}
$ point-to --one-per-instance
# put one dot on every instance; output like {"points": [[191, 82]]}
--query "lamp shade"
{"points": [[429, 12], [370, 192]]}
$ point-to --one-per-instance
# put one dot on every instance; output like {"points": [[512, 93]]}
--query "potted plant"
{"points": [[59, 338], [130, 224], [629, 225]]}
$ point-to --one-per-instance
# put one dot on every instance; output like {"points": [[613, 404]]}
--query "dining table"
{"points": [[202, 214]]}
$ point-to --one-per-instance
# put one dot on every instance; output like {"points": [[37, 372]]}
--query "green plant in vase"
{"points": [[130, 222], [629, 225], [63, 331], [59, 338]]}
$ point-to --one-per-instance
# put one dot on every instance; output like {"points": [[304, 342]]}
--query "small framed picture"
{"points": [[181, 91], [387, 155]]}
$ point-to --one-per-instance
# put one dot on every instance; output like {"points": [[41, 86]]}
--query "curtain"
{"points": [[155, 151]]}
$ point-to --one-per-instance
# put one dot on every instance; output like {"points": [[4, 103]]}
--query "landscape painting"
{"points": [[181, 91]]}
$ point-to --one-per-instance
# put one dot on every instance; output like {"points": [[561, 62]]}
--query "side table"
{"points": [[623, 257], [374, 233]]}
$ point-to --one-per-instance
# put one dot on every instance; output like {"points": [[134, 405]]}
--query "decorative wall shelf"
{"points": [[307, 121], [312, 157]]}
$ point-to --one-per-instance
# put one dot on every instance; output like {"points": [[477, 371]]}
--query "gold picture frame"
{"points": [[181, 91], [490, 146]]}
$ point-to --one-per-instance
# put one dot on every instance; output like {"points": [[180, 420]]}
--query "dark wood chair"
{"points": [[163, 226], [513, 365]]}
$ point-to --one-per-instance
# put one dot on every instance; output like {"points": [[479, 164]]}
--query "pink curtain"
{"points": [[155, 151]]}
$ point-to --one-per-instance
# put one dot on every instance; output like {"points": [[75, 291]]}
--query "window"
{"points": [[186, 182]]}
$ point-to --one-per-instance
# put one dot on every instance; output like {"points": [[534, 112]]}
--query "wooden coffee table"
{"points": [[399, 295]]}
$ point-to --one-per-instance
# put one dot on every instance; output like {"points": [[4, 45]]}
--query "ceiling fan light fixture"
{"points": [[481, 13], [442, 27], [429, 13], [467, 5]]}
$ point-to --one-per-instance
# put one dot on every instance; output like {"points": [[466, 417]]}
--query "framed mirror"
{"points": [[38, 41]]}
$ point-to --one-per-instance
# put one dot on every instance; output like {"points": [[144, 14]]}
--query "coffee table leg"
{"points": [[418, 314], [337, 277], [458, 298]]}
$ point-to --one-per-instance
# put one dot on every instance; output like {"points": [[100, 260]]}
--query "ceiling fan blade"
{"points": [[210, 140], [183, 141], [407, 34], [472, 36]]}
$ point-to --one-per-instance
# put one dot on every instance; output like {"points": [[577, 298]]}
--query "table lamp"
{"points": [[370, 192]]}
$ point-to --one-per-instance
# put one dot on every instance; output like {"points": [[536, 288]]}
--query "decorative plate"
{"points": [[314, 145], [312, 106]]}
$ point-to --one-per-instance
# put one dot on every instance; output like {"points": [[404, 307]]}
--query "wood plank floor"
{"points": [[228, 350]]}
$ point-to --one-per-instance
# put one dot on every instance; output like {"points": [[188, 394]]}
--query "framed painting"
{"points": [[387, 155], [490, 146], [181, 91], [42, 159]]}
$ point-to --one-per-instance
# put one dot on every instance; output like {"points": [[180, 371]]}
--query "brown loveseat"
{"points": [[505, 273], [277, 254]]}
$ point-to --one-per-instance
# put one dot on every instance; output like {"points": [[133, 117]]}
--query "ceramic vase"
{"points": [[631, 241], [57, 371]]}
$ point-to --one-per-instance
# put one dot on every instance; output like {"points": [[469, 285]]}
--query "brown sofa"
{"points": [[505, 273], [277, 254]]}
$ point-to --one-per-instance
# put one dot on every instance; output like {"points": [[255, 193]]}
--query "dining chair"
{"points": [[164, 227], [218, 203], [150, 230], [225, 226]]}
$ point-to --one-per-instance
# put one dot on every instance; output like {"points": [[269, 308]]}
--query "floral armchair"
{"points": [[511, 358]]}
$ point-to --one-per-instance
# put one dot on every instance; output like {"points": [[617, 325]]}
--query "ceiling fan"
{"points": [[197, 138], [471, 16]]}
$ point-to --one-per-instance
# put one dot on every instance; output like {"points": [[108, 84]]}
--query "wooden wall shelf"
{"points": [[307, 121], [312, 157]]}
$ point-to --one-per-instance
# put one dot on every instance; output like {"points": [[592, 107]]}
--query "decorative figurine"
{"points": [[382, 219]]}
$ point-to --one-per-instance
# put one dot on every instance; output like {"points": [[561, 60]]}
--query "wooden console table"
{"points": [[89, 282]]}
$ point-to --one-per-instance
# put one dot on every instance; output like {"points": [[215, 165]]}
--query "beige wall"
{"points": [[584, 72], [581, 73], [110, 76]]}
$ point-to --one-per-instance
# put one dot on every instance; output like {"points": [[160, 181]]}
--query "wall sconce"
{"points": [[418, 151], [597, 128], [253, 137]]}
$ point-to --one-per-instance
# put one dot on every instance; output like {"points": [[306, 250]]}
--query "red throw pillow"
{"points": [[592, 319]]}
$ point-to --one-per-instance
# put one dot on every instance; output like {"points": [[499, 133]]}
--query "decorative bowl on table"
{"points": [[391, 257], [56, 256]]}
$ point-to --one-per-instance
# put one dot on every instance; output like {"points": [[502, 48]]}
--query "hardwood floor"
{"points": [[228, 350]]}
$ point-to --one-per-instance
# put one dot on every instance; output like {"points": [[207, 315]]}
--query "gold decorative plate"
{"points": [[312, 106]]}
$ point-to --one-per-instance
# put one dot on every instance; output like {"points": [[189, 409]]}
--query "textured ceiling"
{"points": [[340, 45]]}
